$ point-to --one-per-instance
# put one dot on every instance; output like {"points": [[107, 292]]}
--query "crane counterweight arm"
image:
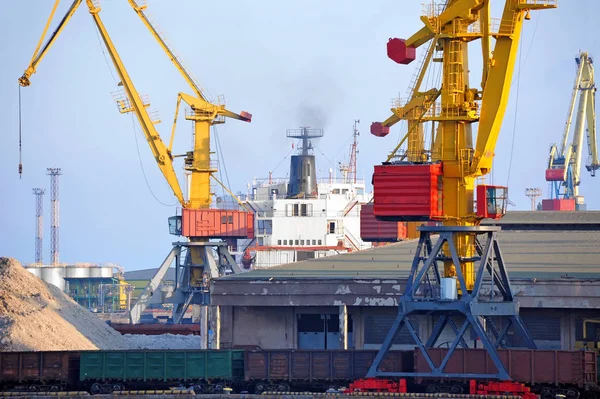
{"points": [[139, 10]]}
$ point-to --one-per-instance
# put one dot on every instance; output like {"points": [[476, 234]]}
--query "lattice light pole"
{"points": [[533, 194], [54, 253], [39, 227]]}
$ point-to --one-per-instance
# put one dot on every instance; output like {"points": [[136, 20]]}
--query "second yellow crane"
{"points": [[454, 261]]}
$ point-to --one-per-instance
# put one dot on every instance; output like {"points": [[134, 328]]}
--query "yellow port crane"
{"points": [[564, 162], [455, 260], [200, 224]]}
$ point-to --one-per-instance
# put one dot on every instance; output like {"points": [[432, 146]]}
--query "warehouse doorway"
{"points": [[322, 331]]}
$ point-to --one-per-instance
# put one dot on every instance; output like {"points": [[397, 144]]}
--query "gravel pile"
{"points": [[36, 316]]}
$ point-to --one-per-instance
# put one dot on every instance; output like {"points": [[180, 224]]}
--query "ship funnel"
{"points": [[303, 179]]}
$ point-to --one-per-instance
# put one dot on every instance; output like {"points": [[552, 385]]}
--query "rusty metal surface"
{"points": [[309, 365], [34, 366], [528, 366]]}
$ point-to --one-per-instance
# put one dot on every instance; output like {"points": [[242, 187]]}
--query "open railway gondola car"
{"points": [[207, 371], [38, 371], [307, 370], [547, 372]]}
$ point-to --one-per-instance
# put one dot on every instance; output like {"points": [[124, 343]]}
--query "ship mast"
{"points": [[349, 170]]}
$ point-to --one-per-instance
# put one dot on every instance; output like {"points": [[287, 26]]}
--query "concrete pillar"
{"points": [[215, 327], [358, 328], [196, 310], [204, 327], [344, 327]]}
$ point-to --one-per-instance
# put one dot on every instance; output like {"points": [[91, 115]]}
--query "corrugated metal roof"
{"points": [[541, 254], [548, 217], [147, 274]]}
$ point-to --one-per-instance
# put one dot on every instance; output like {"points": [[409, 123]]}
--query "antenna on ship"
{"points": [[349, 170]]}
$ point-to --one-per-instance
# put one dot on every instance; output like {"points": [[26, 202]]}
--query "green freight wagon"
{"points": [[206, 370]]}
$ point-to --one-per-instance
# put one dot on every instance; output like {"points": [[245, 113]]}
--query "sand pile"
{"points": [[39, 316]]}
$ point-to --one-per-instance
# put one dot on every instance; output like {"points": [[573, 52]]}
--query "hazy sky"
{"points": [[289, 63]]}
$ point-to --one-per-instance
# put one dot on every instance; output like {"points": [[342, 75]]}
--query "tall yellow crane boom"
{"points": [[39, 54], [204, 113]]}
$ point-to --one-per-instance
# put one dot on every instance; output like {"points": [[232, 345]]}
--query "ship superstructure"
{"points": [[303, 216]]}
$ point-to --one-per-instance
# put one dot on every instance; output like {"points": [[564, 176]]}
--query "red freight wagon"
{"points": [[531, 367], [278, 369], [40, 369]]}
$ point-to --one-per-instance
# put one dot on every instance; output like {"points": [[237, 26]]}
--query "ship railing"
{"points": [[333, 215], [266, 182], [339, 180]]}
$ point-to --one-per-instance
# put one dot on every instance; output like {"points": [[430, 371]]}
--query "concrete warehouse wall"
{"points": [[277, 327]]}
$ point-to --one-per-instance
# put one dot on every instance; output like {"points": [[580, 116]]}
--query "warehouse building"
{"points": [[553, 260]]}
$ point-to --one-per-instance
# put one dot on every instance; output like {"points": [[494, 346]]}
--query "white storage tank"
{"points": [[77, 272], [54, 276], [37, 271]]}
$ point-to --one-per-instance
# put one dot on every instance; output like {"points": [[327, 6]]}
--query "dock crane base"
{"points": [[192, 280], [423, 296], [189, 292]]}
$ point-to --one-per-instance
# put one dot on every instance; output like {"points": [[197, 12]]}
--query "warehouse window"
{"points": [[297, 242], [301, 242], [320, 242], [284, 242], [314, 242], [278, 242], [321, 331]]}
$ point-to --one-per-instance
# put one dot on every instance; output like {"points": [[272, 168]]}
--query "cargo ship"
{"points": [[304, 216]]}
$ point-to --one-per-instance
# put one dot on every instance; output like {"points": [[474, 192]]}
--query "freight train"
{"points": [[547, 372]]}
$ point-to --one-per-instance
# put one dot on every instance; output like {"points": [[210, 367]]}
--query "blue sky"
{"points": [[290, 64]]}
